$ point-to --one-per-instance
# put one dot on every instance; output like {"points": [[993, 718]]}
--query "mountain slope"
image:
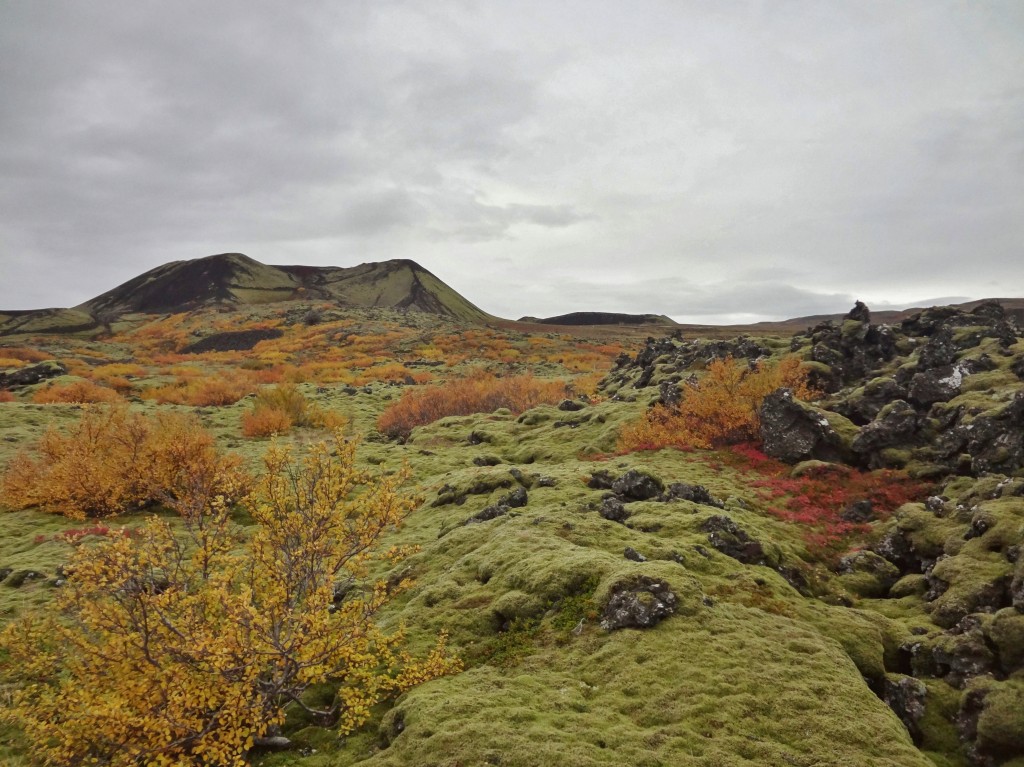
{"points": [[234, 279], [180, 285]]}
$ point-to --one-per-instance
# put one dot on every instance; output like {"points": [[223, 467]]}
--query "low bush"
{"points": [[720, 409], [218, 391], [75, 392], [480, 392], [265, 422], [112, 461], [183, 647], [818, 500], [278, 408]]}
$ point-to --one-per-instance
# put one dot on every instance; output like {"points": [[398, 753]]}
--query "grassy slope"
{"points": [[748, 672]]}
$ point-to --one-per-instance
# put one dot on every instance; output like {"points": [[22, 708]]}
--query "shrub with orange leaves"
{"points": [[6, 396], [722, 408], [481, 392], [278, 408], [112, 461], [24, 354], [265, 422], [224, 388], [164, 651], [75, 392]]}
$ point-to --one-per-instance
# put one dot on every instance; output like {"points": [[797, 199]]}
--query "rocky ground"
{"points": [[670, 607], [941, 396]]}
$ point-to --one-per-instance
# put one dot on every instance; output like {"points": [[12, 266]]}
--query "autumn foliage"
{"points": [[113, 460], [224, 388], [278, 408], [184, 651], [481, 392], [75, 392], [722, 408], [817, 499]]}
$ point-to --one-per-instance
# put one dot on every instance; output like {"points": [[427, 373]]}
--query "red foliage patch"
{"points": [[817, 499], [76, 534]]}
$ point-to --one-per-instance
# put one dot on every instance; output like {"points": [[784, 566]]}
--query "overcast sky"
{"points": [[713, 161]]}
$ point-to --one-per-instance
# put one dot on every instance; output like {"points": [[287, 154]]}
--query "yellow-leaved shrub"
{"points": [[183, 651]]}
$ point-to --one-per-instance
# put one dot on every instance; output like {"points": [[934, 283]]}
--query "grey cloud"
{"points": [[700, 160]]}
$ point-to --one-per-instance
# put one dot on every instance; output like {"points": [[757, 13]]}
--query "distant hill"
{"points": [[602, 318], [234, 279], [1014, 308]]}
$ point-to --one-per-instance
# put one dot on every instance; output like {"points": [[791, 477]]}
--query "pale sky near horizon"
{"points": [[712, 161]]}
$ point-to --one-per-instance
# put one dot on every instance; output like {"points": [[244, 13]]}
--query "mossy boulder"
{"points": [[794, 431]]}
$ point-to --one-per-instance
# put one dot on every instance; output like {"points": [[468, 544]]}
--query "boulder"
{"points": [[962, 656], [32, 374], [993, 443], [906, 697], [680, 491], [872, 575], [859, 512], [613, 509], [896, 424], [1007, 635], [864, 406], [793, 431], [859, 313], [19, 578], [515, 499], [638, 603], [1000, 724], [601, 480], [1017, 367], [637, 486], [733, 541], [669, 393], [940, 351], [633, 555], [895, 547], [939, 384]]}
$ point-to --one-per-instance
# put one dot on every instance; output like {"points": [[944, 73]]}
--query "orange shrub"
{"points": [[265, 422], [478, 393], [722, 408], [113, 461], [76, 391], [118, 370], [587, 383], [25, 354], [278, 408], [225, 388], [6, 396]]}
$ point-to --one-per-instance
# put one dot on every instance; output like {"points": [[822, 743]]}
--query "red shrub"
{"points": [[817, 499]]}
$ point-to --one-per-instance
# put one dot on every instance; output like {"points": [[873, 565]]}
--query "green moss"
{"points": [[632, 697], [940, 739], [747, 672], [1001, 724], [1007, 634]]}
